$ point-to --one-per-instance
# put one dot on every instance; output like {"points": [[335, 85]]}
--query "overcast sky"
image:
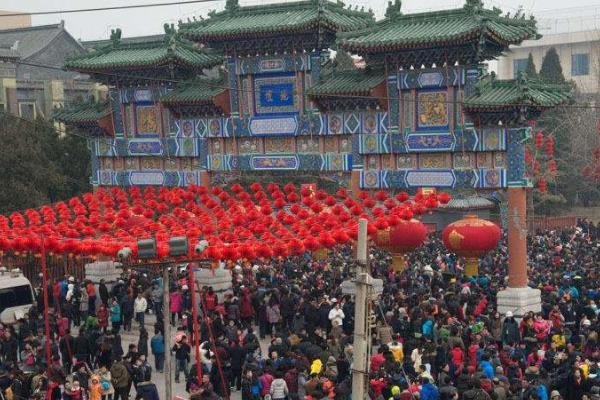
{"points": [[135, 22]]}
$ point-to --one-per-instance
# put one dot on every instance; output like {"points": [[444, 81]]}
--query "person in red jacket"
{"points": [[378, 359], [481, 306], [458, 360], [210, 299], [56, 295], [102, 316], [246, 309], [376, 386], [473, 352]]}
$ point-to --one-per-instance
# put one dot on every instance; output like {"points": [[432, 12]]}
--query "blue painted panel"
{"points": [[430, 142], [437, 178], [431, 78], [515, 149]]}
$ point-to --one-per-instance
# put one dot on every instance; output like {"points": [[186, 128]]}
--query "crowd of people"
{"points": [[284, 331]]}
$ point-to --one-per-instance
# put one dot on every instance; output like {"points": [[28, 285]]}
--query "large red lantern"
{"points": [[402, 238], [471, 237]]}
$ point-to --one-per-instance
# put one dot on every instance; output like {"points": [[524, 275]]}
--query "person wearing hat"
{"points": [[499, 391], [510, 330], [95, 388]]}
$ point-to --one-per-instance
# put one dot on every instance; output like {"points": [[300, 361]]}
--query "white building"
{"points": [[579, 54]]}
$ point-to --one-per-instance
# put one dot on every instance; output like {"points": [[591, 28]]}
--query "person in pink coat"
{"points": [[176, 305]]}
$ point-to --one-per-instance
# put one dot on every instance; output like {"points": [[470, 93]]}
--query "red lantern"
{"points": [[539, 140], [402, 197], [402, 238], [471, 237], [552, 167], [444, 198], [381, 195], [542, 186], [549, 146]]}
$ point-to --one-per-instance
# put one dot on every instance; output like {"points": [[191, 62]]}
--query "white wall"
{"points": [[566, 45]]}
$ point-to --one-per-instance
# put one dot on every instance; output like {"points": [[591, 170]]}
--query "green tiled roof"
{"points": [[194, 92], [357, 82], [274, 19], [119, 56], [492, 94], [398, 32], [82, 113]]}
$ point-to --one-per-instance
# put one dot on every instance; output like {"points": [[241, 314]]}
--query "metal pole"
{"points": [[193, 287], [46, 306], [167, 332], [359, 368], [213, 345]]}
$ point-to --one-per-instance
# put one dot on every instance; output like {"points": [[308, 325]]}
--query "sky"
{"points": [[553, 14]]}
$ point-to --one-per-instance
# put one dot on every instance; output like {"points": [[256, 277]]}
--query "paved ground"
{"points": [[158, 378]]}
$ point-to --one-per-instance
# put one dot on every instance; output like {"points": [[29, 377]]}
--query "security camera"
{"points": [[124, 253], [200, 246]]}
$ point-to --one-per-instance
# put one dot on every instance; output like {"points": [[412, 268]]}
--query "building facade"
{"points": [[11, 21], [579, 54], [32, 81], [251, 92]]}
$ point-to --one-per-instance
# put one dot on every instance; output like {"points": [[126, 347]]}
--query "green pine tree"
{"points": [[530, 69], [28, 175], [551, 70]]}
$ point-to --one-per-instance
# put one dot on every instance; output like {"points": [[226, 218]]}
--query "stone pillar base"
{"points": [[220, 280], [519, 301], [110, 271]]}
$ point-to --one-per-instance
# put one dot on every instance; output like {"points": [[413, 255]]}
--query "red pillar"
{"points": [[517, 237], [46, 306], [193, 290], [355, 182], [205, 179]]}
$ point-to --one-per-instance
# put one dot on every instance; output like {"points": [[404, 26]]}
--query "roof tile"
{"points": [[276, 18]]}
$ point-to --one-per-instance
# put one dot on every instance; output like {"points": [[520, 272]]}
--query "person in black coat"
{"points": [[81, 347], [576, 385], [510, 330], [237, 356], [103, 292], [65, 346], [10, 347], [147, 391]]}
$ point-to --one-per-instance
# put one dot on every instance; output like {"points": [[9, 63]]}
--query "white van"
{"points": [[16, 295]]}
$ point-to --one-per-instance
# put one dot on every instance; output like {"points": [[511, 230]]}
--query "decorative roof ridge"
{"points": [[522, 81], [171, 41], [202, 80], [84, 111], [233, 9], [85, 105], [394, 14]]}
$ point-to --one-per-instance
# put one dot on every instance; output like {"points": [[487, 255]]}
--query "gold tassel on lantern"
{"points": [[398, 262], [472, 266]]}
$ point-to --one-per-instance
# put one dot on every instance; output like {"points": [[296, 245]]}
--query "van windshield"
{"points": [[15, 296]]}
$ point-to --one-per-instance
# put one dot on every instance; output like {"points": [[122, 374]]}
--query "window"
{"points": [[519, 64], [27, 110], [580, 64], [15, 296]]}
